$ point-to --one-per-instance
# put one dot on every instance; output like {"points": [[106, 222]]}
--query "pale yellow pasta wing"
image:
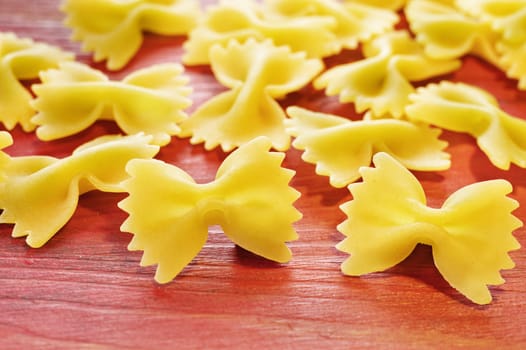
{"points": [[241, 20], [22, 59], [478, 225], [164, 216], [40, 194], [257, 72], [464, 108], [355, 22], [259, 201], [6, 140], [513, 61], [470, 235], [447, 33], [112, 29], [381, 82], [250, 198], [380, 228], [513, 25], [151, 100], [338, 151]]}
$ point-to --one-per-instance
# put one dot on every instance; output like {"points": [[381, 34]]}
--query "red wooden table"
{"points": [[84, 290]]}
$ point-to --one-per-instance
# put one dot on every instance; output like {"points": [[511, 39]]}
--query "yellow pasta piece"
{"points": [[508, 19], [447, 33], [257, 73], [340, 147], [464, 108], [112, 29], [394, 5], [355, 22], [381, 82], [241, 20], [22, 59], [39, 194], [151, 100], [470, 235], [513, 60], [169, 213]]}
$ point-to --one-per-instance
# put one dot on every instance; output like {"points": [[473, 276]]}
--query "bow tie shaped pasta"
{"points": [[470, 235], [73, 97], [340, 147], [464, 108], [39, 194], [113, 28], [355, 22], [505, 17], [22, 59], [257, 73], [513, 60], [169, 213], [380, 82], [241, 20], [508, 19], [447, 33]]}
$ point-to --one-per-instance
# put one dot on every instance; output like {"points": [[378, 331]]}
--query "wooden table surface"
{"points": [[85, 290]]}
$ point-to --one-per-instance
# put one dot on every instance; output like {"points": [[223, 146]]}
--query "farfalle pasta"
{"points": [[241, 20], [381, 82], [355, 22], [113, 29], [22, 59], [508, 20], [513, 59], [505, 17], [169, 213], [39, 194], [257, 73], [470, 235], [340, 147], [447, 33], [151, 100], [465, 108]]}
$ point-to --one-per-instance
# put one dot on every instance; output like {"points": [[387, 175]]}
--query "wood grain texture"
{"points": [[84, 290]]}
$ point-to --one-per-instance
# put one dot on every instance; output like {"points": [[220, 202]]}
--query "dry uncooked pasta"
{"points": [[513, 59], [250, 199], [257, 73], [506, 17], [508, 20], [241, 20], [448, 33], [465, 108], [39, 194], [340, 147], [22, 59], [470, 235], [354, 22], [113, 29], [72, 97], [381, 82]]}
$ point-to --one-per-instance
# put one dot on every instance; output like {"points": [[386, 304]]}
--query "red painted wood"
{"points": [[84, 290]]}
